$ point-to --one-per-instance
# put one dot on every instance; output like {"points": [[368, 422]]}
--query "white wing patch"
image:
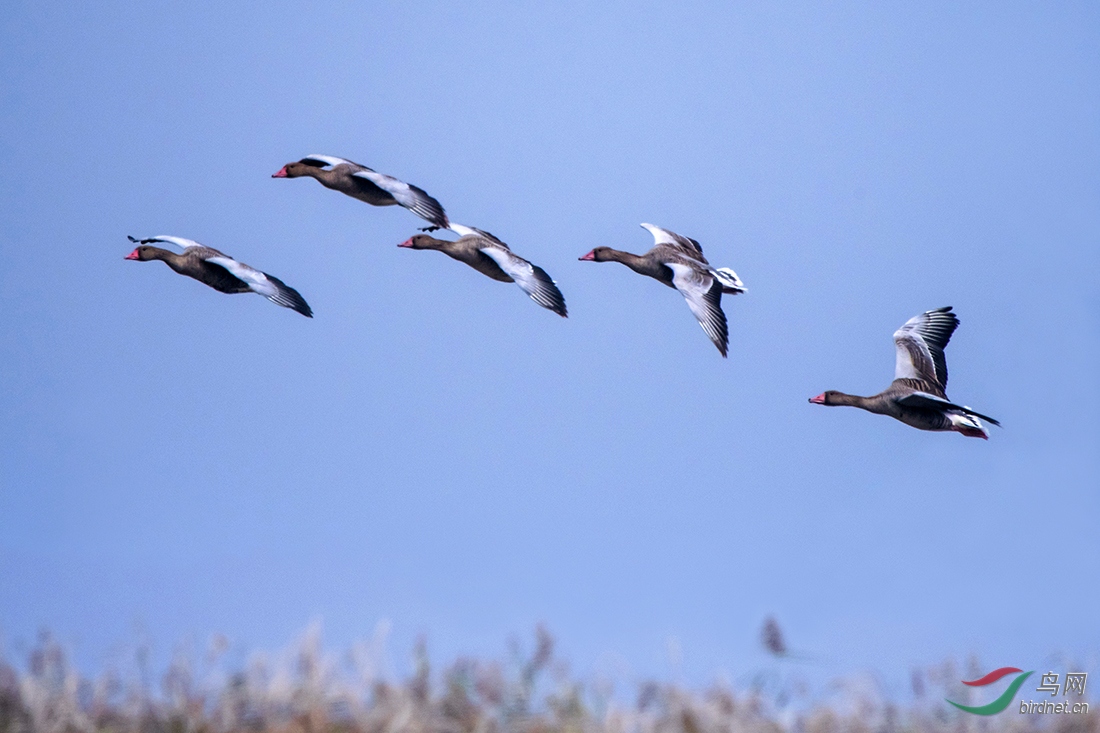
{"points": [[413, 198], [687, 279], [465, 231], [696, 287], [257, 281], [386, 183], [329, 160], [686, 245], [401, 191], [928, 336], [660, 236], [910, 345], [517, 268], [178, 241], [531, 279]]}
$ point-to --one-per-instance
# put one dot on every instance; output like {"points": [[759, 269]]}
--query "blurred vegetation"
{"points": [[308, 690]]}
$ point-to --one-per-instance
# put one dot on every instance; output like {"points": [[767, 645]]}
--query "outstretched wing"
{"points": [[465, 231], [327, 161], [925, 401], [687, 245], [178, 241], [703, 294], [266, 285], [920, 344], [532, 278], [413, 198]]}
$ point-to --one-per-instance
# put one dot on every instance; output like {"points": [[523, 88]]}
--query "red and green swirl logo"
{"points": [[1001, 702]]}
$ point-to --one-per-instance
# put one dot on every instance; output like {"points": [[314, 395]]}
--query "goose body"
{"points": [[918, 394], [491, 257], [365, 184], [678, 262], [218, 270]]}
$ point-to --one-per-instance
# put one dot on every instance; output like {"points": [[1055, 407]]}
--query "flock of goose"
{"points": [[916, 397]]}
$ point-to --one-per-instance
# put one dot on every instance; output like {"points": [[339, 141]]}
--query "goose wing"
{"points": [[926, 401], [327, 161], [197, 264], [703, 294], [412, 197], [184, 244], [465, 231], [266, 285], [531, 278], [687, 245], [920, 344]]}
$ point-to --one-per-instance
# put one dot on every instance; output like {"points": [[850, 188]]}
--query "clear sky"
{"points": [[435, 449]]}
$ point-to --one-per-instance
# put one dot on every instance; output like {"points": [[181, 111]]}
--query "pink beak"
{"points": [[132, 256], [591, 256], [407, 243], [819, 400], [280, 174]]}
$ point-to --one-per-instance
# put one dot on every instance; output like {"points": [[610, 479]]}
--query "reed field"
{"points": [[307, 688]]}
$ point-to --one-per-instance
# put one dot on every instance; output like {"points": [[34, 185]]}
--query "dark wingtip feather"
{"points": [[299, 304], [987, 418], [548, 295], [131, 239], [721, 332], [428, 208], [937, 329], [288, 297], [723, 345]]}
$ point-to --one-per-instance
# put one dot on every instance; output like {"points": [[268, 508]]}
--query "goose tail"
{"points": [[731, 284], [968, 425]]}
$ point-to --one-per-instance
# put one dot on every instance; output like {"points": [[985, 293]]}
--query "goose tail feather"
{"points": [[731, 284]]}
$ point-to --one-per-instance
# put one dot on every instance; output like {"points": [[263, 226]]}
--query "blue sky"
{"points": [[436, 450]]}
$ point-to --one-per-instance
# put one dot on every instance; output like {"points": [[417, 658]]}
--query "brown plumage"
{"points": [[678, 262], [367, 185], [219, 271], [918, 394], [491, 257]]}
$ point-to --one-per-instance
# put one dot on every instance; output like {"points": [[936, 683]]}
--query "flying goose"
{"points": [[219, 271], [490, 256], [678, 262], [360, 182], [918, 394]]}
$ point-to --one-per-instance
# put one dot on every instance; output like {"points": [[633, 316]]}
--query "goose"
{"points": [[488, 255], [678, 262], [218, 270], [918, 394], [360, 182]]}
